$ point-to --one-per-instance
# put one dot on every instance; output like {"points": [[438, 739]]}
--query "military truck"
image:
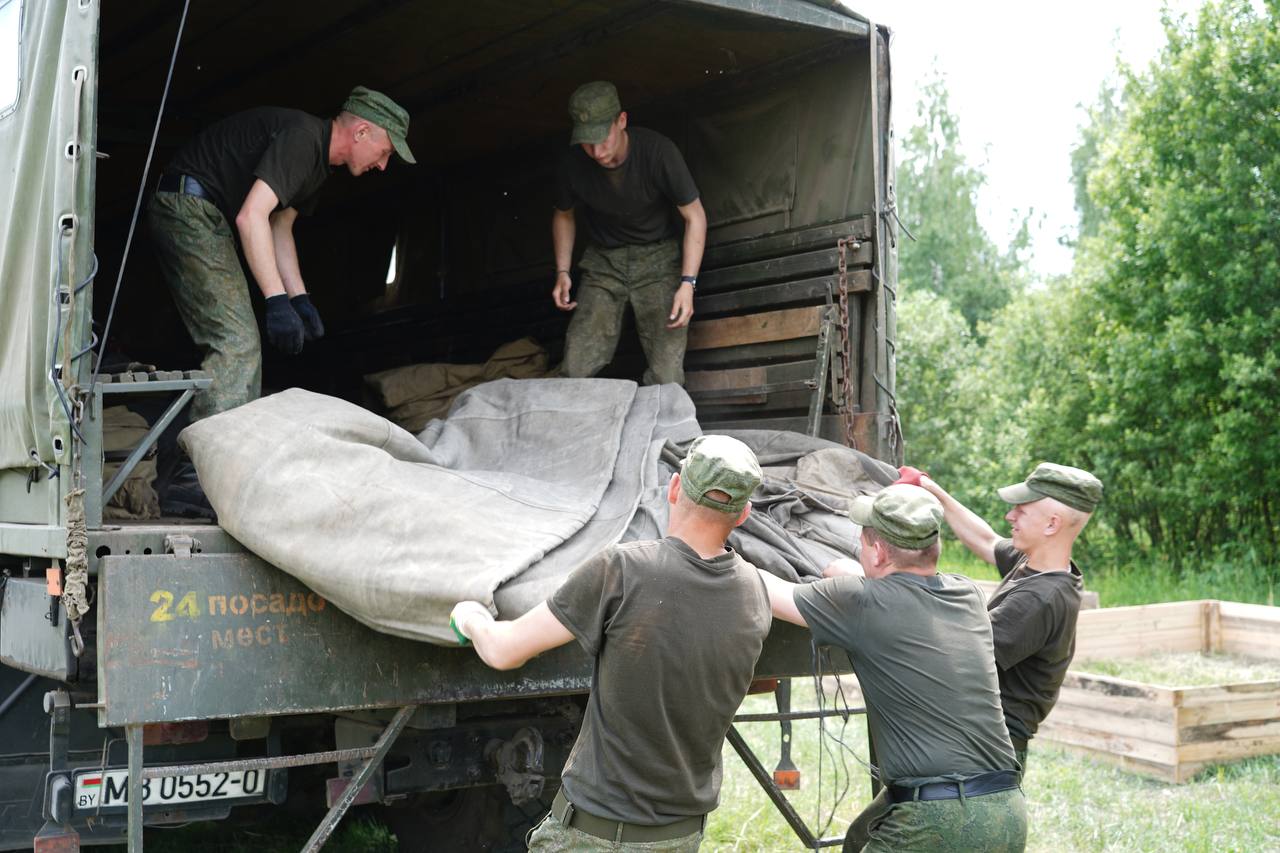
{"points": [[141, 680]]}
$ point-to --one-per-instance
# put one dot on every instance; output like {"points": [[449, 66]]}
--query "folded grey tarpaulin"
{"points": [[497, 502]]}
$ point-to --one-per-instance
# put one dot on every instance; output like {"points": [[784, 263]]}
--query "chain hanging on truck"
{"points": [[845, 405]]}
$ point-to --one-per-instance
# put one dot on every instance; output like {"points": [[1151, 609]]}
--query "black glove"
{"points": [[284, 327], [310, 316]]}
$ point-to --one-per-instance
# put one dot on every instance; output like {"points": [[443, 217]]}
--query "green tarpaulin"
{"points": [[47, 225]]}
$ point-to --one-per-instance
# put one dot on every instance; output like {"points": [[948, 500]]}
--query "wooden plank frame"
{"points": [[1166, 731]]}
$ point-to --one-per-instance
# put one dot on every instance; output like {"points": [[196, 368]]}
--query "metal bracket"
{"points": [[181, 545], [823, 364], [196, 381], [380, 750]]}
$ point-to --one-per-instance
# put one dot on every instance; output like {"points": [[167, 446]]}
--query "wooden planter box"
{"points": [[1167, 731]]}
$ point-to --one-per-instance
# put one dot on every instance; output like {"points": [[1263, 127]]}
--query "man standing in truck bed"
{"points": [[675, 627], [255, 170], [627, 182]]}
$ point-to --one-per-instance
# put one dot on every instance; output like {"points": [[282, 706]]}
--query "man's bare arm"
{"points": [[507, 645], [253, 223], [782, 599], [563, 232], [286, 251], [695, 242], [975, 533]]}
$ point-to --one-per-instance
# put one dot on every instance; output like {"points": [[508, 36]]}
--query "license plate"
{"points": [[100, 791]]}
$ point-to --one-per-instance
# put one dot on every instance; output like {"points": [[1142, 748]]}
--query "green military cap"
{"points": [[1074, 487], [593, 107], [720, 463], [906, 516], [385, 113]]}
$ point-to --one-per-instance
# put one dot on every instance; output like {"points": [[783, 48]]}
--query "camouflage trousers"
{"points": [[552, 836], [197, 255], [993, 822], [647, 277]]}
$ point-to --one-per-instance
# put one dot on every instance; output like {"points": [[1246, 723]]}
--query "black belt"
{"points": [[975, 786], [616, 830], [184, 184]]}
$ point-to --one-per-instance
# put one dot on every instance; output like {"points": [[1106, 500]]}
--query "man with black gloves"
{"points": [[255, 171]]}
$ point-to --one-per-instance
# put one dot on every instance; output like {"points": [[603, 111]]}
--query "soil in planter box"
{"points": [[1185, 669]]}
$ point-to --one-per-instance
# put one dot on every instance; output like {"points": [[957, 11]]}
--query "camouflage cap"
{"points": [[720, 463], [593, 107], [385, 113], [1074, 487], [906, 516]]}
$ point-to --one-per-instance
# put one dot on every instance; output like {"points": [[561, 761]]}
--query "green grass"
{"points": [[1074, 803], [1147, 582], [1185, 669]]}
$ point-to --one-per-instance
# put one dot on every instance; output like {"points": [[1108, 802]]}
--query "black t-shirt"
{"points": [[634, 203], [675, 639], [287, 149], [1033, 622]]}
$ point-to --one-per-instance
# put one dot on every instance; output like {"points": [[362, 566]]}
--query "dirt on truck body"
{"points": [[125, 639]]}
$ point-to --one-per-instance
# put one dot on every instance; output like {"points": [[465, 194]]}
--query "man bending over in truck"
{"points": [[630, 183], [1034, 609], [920, 644], [675, 626], [255, 170]]}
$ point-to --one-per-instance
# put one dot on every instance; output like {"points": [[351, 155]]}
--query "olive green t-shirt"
{"points": [[1033, 620], [675, 640], [921, 648]]}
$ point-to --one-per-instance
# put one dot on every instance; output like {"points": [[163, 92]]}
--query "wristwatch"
{"points": [[691, 280]]}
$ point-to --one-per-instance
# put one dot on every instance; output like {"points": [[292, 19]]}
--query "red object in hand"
{"points": [[910, 476]]}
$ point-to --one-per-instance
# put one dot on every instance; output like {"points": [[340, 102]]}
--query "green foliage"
{"points": [[1183, 301], [937, 349], [1155, 364], [937, 198], [1103, 118]]}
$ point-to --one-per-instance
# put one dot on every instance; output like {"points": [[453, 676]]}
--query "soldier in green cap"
{"points": [[635, 195], [248, 176], [920, 644], [1034, 609], [675, 627]]}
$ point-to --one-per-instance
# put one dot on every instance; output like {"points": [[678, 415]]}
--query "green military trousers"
{"points": [[993, 822], [647, 276], [197, 255]]}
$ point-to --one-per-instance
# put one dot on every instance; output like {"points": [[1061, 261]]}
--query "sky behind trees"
{"points": [[1017, 74]]}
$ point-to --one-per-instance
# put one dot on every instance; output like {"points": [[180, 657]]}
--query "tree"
{"points": [[1183, 278], [937, 189], [938, 352]]}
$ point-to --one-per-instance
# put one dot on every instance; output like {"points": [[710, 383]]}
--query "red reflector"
{"points": [[763, 685], [54, 839], [157, 733]]}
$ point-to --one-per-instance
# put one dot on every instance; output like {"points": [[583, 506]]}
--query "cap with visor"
{"points": [[718, 463], [385, 113], [1074, 487], [593, 107], [905, 516]]}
